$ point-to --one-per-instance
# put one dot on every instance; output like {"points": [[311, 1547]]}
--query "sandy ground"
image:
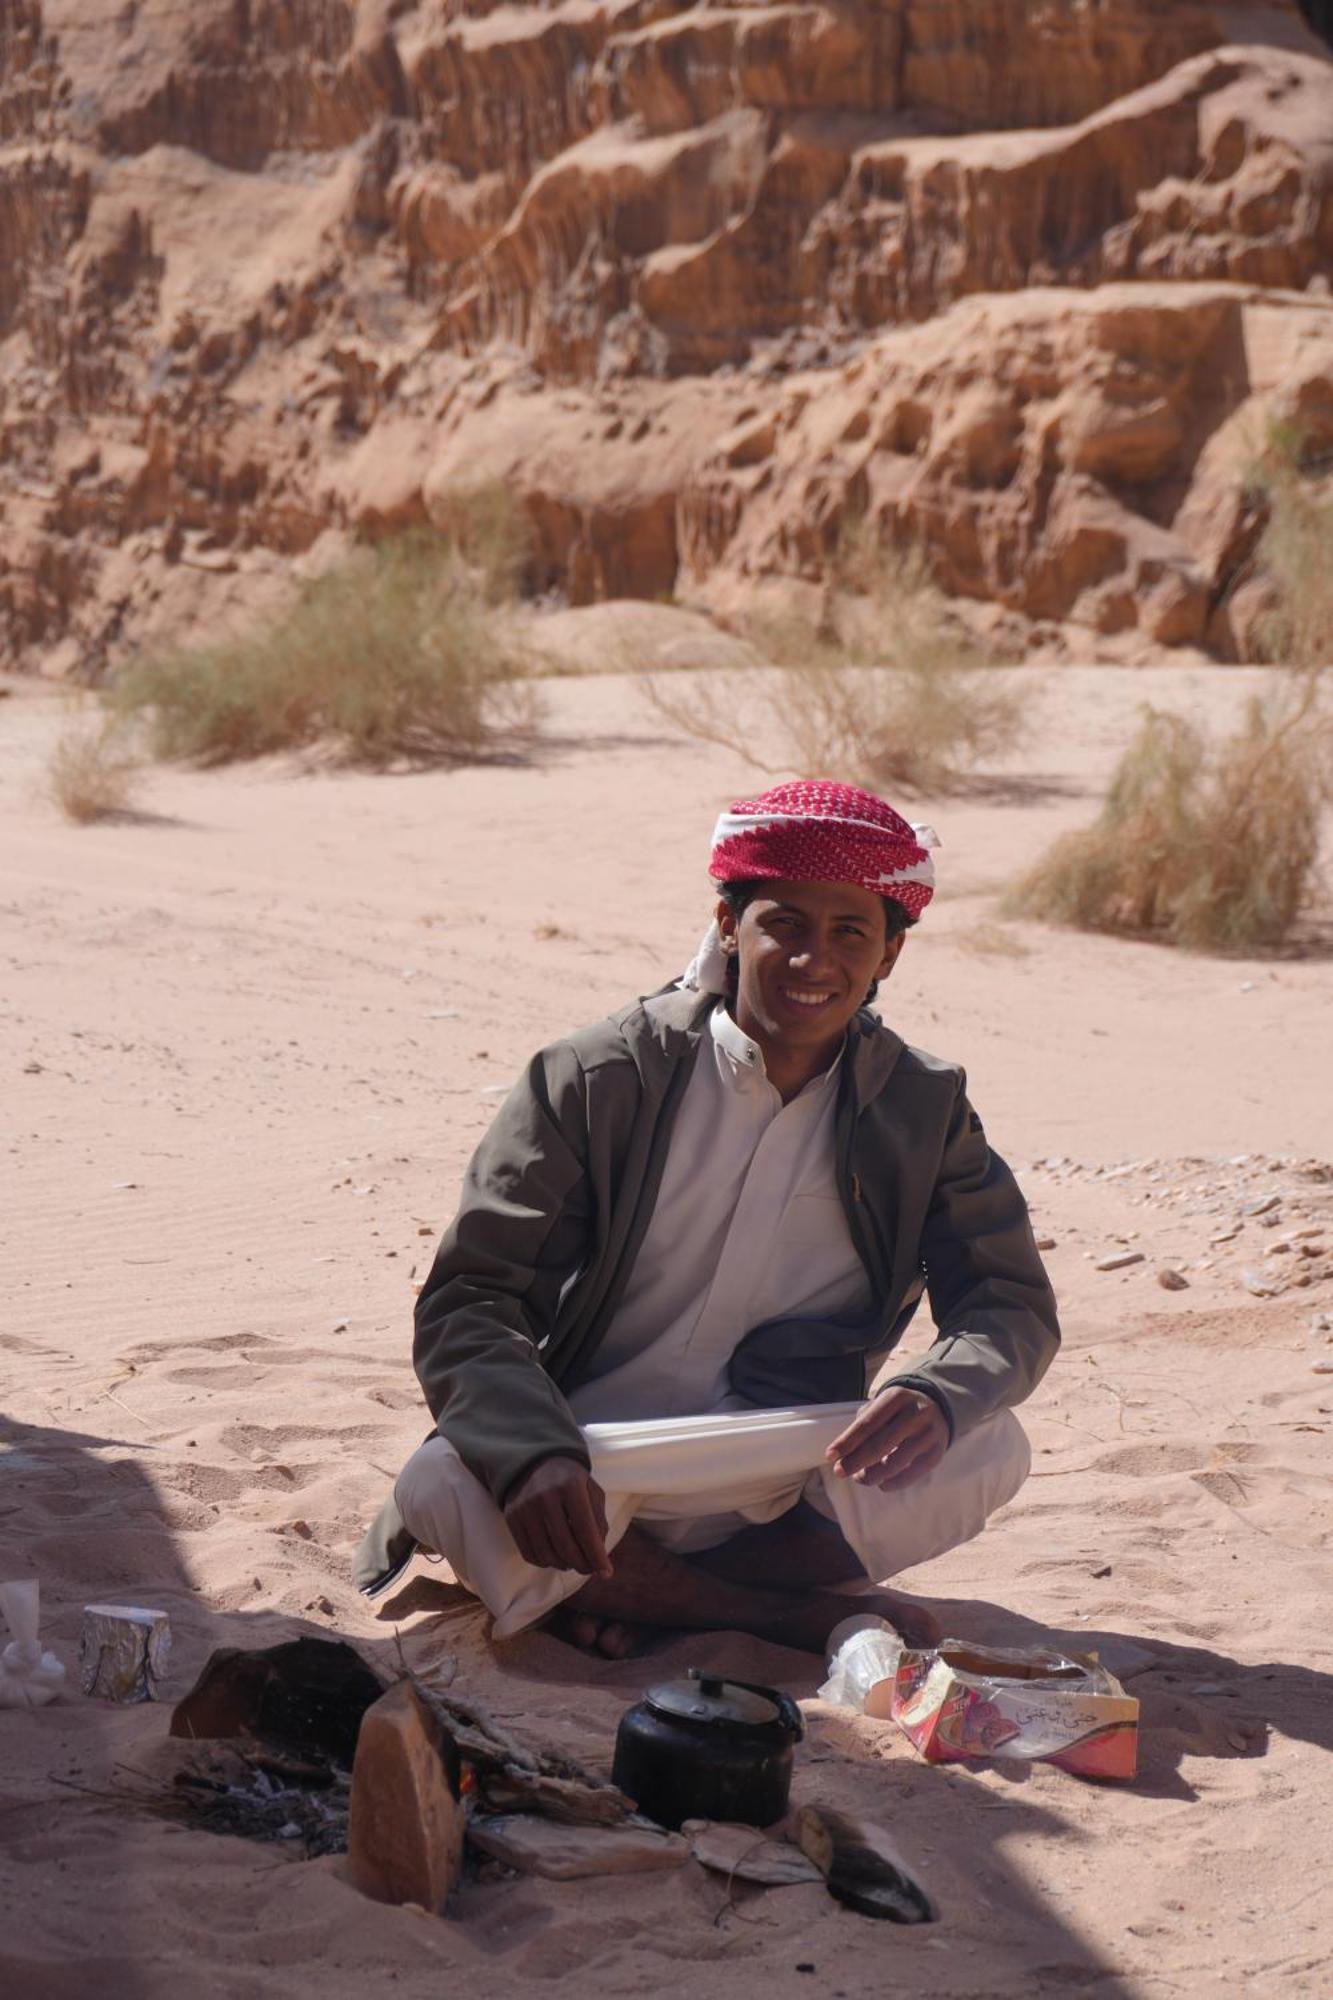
{"points": [[247, 1041]]}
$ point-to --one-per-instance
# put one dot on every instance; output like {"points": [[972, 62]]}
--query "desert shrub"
{"points": [[1296, 551], [93, 771], [1208, 846], [492, 534], [881, 688], [396, 652]]}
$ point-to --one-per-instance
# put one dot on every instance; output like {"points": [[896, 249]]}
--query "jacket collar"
{"points": [[665, 1028]]}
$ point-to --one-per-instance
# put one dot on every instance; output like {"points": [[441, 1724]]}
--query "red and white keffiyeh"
{"points": [[815, 831], [812, 831]]}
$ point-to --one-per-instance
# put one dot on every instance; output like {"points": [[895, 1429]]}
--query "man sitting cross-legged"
{"points": [[690, 1239]]}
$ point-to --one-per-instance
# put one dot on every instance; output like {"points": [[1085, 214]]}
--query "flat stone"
{"points": [[747, 1854], [861, 1866], [537, 1846], [1264, 1206], [1120, 1261], [405, 1830], [1125, 1657]]}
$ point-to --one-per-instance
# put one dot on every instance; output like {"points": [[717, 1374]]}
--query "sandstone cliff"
{"points": [[1024, 280]]}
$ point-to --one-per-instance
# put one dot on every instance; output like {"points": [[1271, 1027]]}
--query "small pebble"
{"points": [[1263, 1206], [1172, 1280], [1046, 1243], [1261, 1287], [1120, 1261], [340, 1326], [1321, 1367]]}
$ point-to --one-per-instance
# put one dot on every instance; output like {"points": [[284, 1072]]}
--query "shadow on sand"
{"points": [[85, 1514]]}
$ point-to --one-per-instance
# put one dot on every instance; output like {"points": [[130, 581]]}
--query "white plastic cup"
{"points": [[862, 1661]]}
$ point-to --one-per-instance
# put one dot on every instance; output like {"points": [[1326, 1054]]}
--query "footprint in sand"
{"points": [[245, 1438], [1150, 1461]]}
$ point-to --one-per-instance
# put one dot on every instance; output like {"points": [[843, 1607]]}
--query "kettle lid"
{"points": [[705, 1697]]}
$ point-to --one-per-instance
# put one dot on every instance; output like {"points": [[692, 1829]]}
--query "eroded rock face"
{"points": [[1023, 281]]}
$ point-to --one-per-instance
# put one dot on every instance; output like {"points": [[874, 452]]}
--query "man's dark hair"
{"points": [[738, 895]]}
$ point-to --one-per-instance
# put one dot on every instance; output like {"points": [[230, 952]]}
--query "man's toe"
{"points": [[615, 1640], [917, 1625]]}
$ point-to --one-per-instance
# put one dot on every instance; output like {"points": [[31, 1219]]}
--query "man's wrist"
{"points": [[543, 1458], [925, 1387]]}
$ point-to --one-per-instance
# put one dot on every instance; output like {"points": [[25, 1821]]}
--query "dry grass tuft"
{"points": [[93, 772], [882, 689], [491, 534], [1296, 552], [992, 941], [1213, 848], [397, 653]]}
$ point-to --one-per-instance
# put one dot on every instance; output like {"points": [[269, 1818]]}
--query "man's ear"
{"points": [[892, 949], [728, 924]]}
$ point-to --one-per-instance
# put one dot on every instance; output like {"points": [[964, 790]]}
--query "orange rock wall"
{"points": [[1020, 279]]}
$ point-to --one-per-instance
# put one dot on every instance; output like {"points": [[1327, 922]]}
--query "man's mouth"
{"points": [[809, 1000]]}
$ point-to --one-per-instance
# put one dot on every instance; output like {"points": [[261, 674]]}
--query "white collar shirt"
{"points": [[748, 1226]]}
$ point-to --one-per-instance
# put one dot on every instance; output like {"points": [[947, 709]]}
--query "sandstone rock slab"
{"points": [[405, 1833]]}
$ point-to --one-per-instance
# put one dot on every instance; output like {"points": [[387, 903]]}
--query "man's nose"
{"points": [[813, 953]]}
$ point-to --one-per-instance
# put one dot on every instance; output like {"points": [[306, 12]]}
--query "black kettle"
{"points": [[708, 1748]]}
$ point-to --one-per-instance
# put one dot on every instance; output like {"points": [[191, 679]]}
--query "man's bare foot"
{"points": [[803, 1550], [807, 1618], [907, 1615], [654, 1589], [610, 1638]]}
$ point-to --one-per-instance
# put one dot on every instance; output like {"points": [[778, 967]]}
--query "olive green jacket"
{"points": [[558, 1197]]}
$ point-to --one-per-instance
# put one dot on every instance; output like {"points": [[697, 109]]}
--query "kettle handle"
{"points": [[789, 1715]]}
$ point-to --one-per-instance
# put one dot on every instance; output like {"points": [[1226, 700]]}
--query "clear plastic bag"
{"points": [[29, 1678], [862, 1664]]}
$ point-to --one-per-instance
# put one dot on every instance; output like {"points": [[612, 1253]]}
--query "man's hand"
{"points": [[557, 1516], [899, 1437]]}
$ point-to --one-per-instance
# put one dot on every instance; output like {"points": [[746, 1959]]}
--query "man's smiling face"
{"points": [[809, 953]]}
